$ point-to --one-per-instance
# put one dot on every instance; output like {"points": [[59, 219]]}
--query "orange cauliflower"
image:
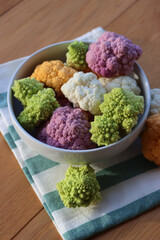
{"points": [[150, 139], [53, 73]]}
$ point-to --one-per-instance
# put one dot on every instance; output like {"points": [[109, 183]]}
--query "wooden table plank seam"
{"points": [[8, 9], [130, 6], [26, 224]]}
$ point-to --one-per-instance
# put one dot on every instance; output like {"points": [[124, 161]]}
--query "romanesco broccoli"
{"points": [[104, 130], [76, 56], [123, 106], [80, 187], [39, 108], [120, 113], [24, 89]]}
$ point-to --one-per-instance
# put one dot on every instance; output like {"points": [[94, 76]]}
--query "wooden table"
{"points": [[26, 26]]}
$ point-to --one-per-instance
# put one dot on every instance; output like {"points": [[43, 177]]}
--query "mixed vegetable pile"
{"points": [[91, 100], [87, 102]]}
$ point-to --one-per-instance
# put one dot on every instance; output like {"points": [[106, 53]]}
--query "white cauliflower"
{"points": [[125, 82], [84, 91], [155, 101], [105, 81]]}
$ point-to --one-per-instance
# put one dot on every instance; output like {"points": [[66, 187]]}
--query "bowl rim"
{"points": [[29, 136]]}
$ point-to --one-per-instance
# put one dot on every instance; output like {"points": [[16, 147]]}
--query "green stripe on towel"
{"points": [[13, 133], [10, 141], [108, 178], [123, 171], [114, 218], [3, 100], [28, 175], [53, 201], [47, 210], [38, 164]]}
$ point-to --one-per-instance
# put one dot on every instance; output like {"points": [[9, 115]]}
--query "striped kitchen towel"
{"points": [[130, 185]]}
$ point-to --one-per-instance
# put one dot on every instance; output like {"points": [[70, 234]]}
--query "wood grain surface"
{"points": [[26, 26], [31, 25]]}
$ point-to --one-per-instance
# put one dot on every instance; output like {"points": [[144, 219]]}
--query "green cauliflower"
{"points": [[104, 130], [24, 89], [39, 108], [120, 114], [123, 106], [80, 187], [76, 56]]}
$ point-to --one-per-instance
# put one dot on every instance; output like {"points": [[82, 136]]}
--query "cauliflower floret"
{"points": [[80, 187], [68, 128], [124, 82], [76, 56], [104, 130], [120, 113], [112, 55], [24, 89], [155, 101], [150, 139], [105, 81], [39, 108], [53, 73], [84, 91], [123, 106]]}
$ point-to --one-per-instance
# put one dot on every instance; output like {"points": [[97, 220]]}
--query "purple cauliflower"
{"points": [[112, 55], [68, 128], [41, 132]]}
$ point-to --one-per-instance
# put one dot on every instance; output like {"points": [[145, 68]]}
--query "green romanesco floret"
{"points": [[76, 56], [120, 111], [80, 187], [39, 108], [24, 89], [124, 107], [104, 130]]}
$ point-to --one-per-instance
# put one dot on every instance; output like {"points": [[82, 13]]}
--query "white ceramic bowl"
{"points": [[54, 52]]}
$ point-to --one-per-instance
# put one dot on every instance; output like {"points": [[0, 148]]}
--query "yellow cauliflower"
{"points": [[150, 139], [53, 73]]}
